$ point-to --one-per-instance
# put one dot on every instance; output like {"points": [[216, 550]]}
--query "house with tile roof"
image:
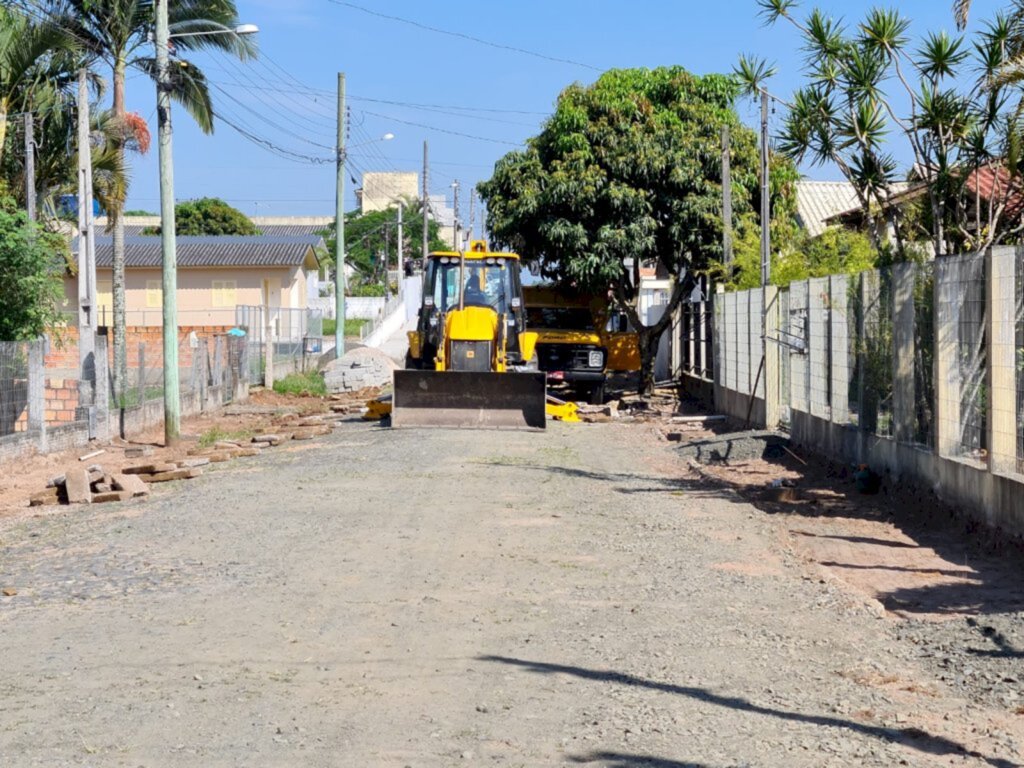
{"points": [[216, 274]]}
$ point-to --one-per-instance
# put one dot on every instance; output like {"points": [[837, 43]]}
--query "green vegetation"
{"points": [[352, 326], [627, 171], [208, 216], [32, 264], [955, 103], [371, 237], [140, 212], [310, 383], [215, 434]]}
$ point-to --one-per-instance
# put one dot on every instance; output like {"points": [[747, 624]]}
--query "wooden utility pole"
{"points": [[30, 167], [399, 257]]}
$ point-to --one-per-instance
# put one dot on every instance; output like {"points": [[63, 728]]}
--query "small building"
{"points": [[382, 189], [215, 276]]}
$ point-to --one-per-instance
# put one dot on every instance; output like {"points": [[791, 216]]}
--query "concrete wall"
{"points": [[845, 368]]}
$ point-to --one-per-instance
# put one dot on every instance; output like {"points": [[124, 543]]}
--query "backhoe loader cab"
{"points": [[454, 286], [471, 360]]}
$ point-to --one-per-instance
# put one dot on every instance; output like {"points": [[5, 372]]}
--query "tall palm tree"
{"points": [[29, 58], [117, 32]]}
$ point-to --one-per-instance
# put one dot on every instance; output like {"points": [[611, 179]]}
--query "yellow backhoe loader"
{"points": [[471, 360]]}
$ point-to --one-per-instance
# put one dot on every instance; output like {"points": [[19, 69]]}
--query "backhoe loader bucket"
{"points": [[468, 400]]}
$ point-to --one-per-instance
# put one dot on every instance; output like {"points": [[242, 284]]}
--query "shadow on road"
{"points": [[623, 760], [913, 738]]}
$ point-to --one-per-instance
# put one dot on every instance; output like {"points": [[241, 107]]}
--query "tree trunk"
{"points": [[116, 216], [648, 338]]}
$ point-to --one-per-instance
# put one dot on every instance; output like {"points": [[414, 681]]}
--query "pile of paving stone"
{"points": [[93, 485], [359, 369]]}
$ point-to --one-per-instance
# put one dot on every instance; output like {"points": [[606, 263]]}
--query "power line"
{"points": [[443, 130], [417, 105], [464, 36]]}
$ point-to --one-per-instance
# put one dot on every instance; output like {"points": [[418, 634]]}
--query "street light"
{"points": [[168, 242]]}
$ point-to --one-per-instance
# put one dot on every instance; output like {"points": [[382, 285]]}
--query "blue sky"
{"points": [[286, 96]]}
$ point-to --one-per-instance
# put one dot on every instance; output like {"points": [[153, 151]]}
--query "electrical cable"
{"points": [[463, 36]]}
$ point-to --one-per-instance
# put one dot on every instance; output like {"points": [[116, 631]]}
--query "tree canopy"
{"points": [[369, 236], [209, 216], [627, 173]]}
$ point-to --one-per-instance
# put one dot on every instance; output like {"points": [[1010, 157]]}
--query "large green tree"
{"points": [[209, 216], [627, 173], [118, 33]]}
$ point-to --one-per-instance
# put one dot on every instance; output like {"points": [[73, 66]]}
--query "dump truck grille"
{"points": [[471, 356], [566, 357]]}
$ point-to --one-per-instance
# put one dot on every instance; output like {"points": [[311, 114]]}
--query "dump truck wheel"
{"points": [[596, 394]]}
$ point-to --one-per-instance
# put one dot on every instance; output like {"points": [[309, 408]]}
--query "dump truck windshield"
{"points": [[560, 318], [485, 285]]}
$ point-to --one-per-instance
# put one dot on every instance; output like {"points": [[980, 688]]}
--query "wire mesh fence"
{"points": [[13, 387], [924, 355]]}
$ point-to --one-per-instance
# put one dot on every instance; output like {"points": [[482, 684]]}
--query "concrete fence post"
{"points": [[102, 392], [947, 370], [218, 367], [903, 395], [140, 376], [1001, 358], [772, 363], [37, 391], [839, 341], [718, 344], [818, 353]]}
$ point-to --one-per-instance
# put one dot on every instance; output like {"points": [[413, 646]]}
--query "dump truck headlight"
{"points": [[596, 359]]}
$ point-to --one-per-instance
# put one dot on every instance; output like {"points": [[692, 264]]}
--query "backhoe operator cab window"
{"points": [[487, 284]]}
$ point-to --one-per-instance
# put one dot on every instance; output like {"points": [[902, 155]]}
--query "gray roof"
{"points": [[208, 251], [817, 201], [270, 230]]}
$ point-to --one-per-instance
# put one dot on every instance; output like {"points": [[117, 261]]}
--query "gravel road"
{"points": [[436, 598]]}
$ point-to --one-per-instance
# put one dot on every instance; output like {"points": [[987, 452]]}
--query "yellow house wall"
{"points": [[195, 294]]}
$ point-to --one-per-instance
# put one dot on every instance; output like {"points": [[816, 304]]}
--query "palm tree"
{"points": [[30, 57], [117, 32]]}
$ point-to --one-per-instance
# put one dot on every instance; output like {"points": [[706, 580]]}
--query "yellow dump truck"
{"points": [[579, 339]]}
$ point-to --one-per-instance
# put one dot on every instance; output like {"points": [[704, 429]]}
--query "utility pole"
{"points": [[30, 167], [472, 215], [168, 239], [339, 234], [86, 251], [726, 202], [455, 216], [399, 258], [766, 236], [426, 208]]}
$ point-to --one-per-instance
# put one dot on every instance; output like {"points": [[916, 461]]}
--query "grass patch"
{"points": [[352, 326], [310, 383], [216, 434]]}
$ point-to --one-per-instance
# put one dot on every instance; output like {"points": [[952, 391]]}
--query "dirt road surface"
{"points": [[438, 598]]}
